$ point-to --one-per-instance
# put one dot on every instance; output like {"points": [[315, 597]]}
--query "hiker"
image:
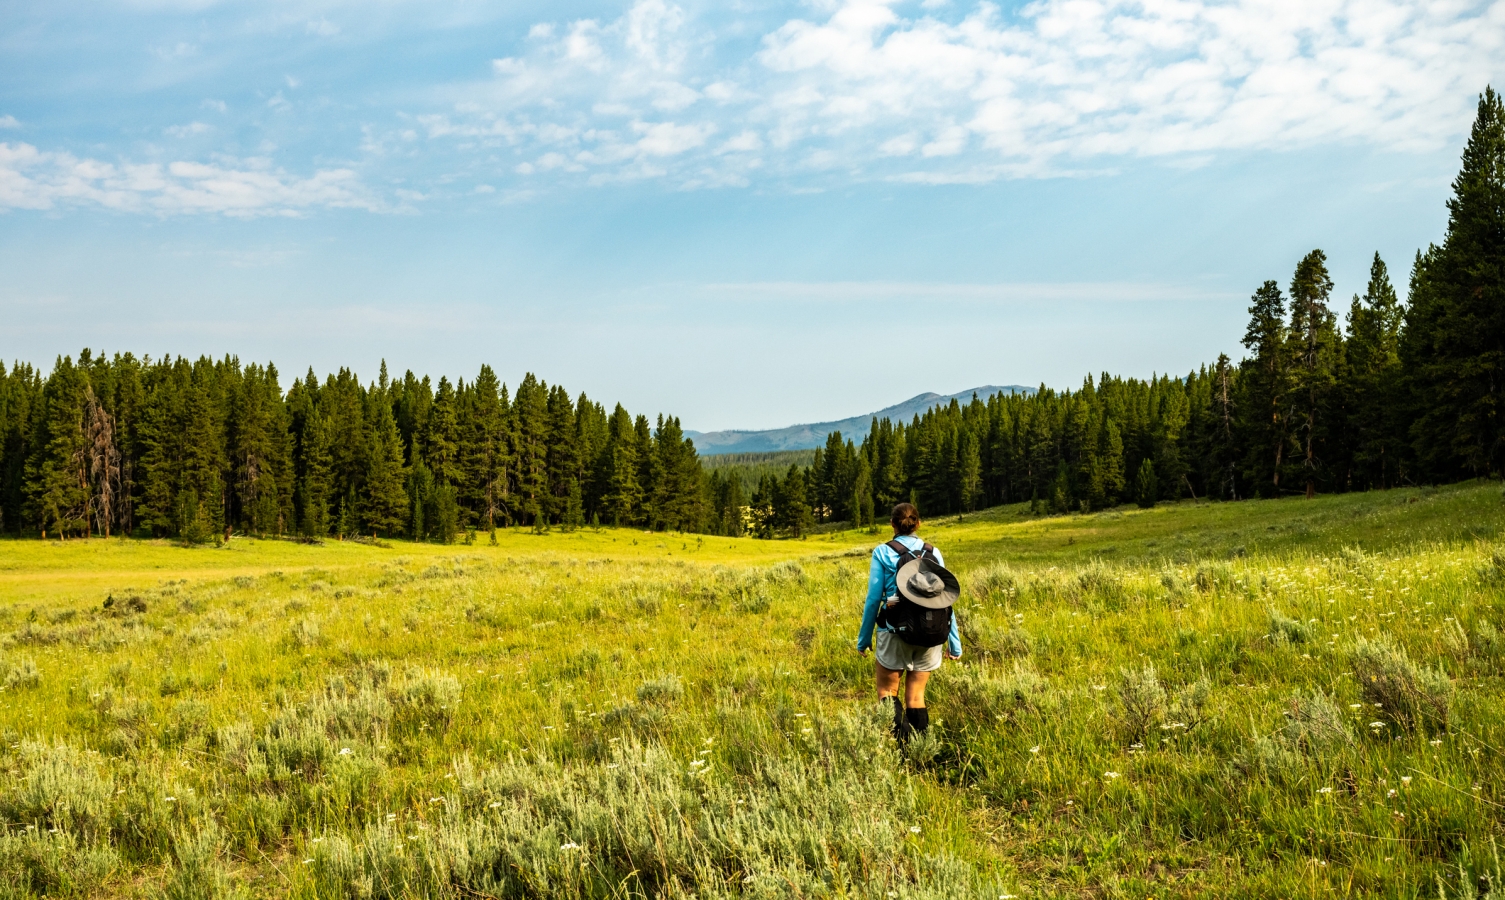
{"points": [[909, 598]]}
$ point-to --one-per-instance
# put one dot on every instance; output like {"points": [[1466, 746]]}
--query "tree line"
{"points": [[1402, 393], [170, 447]]}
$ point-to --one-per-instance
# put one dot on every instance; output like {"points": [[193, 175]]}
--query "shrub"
{"points": [[645, 823], [991, 642], [1314, 724], [1141, 701], [1493, 570], [787, 573], [1486, 638], [35, 862], [58, 787], [1005, 696], [1284, 630], [665, 689], [753, 600], [1455, 640], [304, 633], [996, 582], [1189, 703], [1098, 579], [1267, 757], [21, 675], [196, 872], [1411, 696], [1213, 576]]}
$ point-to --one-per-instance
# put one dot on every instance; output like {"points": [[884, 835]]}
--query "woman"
{"points": [[896, 659]]}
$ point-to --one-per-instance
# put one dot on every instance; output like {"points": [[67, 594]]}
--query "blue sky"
{"points": [[748, 214]]}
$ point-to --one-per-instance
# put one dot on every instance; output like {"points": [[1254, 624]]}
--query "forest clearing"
{"points": [[1262, 699]]}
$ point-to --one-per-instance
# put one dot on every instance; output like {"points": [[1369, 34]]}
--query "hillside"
{"points": [[808, 437], [1274, 698]]}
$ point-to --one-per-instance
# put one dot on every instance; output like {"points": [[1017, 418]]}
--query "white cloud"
{"points": [[216, 105], [903, 145], [37, 179], [669, 139], [746, 142], [323, 28], [960, 92], [189, 130], [9, 122], [949, 142]]}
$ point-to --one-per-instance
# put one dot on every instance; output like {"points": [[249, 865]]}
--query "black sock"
{"points": [[919, 719], [901, 723]]}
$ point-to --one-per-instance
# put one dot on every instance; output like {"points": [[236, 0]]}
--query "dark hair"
{"points": [[905, 518]]}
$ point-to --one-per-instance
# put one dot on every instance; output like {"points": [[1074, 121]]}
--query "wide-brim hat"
{"points": [[926, 584]]}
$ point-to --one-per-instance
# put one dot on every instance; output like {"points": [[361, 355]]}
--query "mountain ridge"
{"points": [[808, 436]]}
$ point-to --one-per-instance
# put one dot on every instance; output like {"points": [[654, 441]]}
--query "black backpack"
{"points": [[913, 623]]}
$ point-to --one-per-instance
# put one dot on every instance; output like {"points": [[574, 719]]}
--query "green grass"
{"points": [[1270, 699]]}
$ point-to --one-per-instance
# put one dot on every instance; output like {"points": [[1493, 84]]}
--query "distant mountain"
{"points": [[805, 437]]}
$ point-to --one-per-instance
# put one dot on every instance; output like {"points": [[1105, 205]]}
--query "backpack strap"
{"points": [[906, 554]]}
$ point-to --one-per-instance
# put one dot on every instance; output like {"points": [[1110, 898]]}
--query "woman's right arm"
{"points": [[870, 608]]}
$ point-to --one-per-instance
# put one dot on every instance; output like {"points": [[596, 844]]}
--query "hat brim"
{"points": [[942, 600]]}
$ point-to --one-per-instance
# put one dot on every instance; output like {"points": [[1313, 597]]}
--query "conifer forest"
{"points": [[1396, 393]]}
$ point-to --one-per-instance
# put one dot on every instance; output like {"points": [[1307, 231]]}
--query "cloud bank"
{"points": [[830, 93], [1063, 85], [35, 179]]}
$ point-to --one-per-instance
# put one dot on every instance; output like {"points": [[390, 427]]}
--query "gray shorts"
{"points": [[896, 655]]}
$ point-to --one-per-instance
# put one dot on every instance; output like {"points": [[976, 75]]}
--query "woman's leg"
{"points": [[916, 716], [886, 681], [914, 689]]}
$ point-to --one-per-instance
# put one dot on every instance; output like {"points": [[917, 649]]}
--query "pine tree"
{"points": [[1372, 357], [862, 494], [622, 493], [257, 436], [1454, 349], [1315, 355], [420, 490], [316, 487], [531, 449], [1223, 448], [791, 503], [1146, 489], [735, 505], [386, 507], [58, 473], [441, 440], [1267, 385], [562, 459]]}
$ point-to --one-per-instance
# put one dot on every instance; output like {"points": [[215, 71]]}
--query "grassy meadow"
{"points": [[1266, 699]]}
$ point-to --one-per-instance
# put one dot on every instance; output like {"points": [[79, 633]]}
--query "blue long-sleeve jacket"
{"points": [[881, 586]]}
